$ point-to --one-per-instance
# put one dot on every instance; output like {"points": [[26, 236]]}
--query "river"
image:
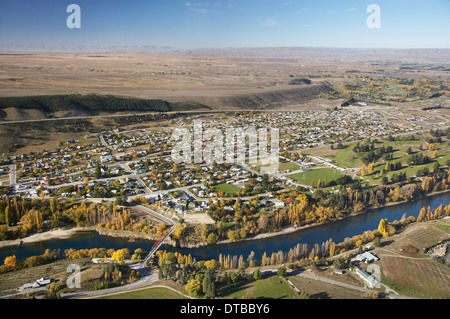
{"points": [[337, 231]]}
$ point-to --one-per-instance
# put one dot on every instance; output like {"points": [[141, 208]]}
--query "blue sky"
{"points": [[228, 23]]}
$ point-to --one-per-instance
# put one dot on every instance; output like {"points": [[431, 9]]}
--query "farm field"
{"points": [[148, 293], [324, 290], [406, 269], [267, 288]]}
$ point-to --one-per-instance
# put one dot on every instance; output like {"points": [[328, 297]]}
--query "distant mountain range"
{"points": [[331, 54], [40, 48]]}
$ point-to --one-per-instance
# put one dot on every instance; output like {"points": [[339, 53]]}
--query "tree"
{"points": [[209, 288], [257, 274], [53, 205], [377, 242], [233, 277], [337, 263], [120, 254], [194, 288], [281, 271], [212, 238], [97, 172], [212, 264], [10, 262], [383, 227]]}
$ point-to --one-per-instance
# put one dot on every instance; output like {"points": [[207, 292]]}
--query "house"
{"points": [[367, 257], [105, 159], [277, 202], [180, 207], [370, 280], [42, 282]]}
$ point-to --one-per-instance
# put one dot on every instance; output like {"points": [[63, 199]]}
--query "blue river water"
{"points": [[337, 231]]}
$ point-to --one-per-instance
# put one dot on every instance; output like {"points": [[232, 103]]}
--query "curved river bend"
{"points": [[338, 231]]}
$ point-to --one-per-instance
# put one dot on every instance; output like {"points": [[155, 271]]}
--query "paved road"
{"points": [[155, 214], [145, 280], [102, 140], [12, 173], [344, 285]]}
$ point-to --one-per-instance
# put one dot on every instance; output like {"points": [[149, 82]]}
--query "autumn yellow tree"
{"points": [[383, 227], [120, 254], [371, 168], [211, 264], [177, 233], [10, 262]]}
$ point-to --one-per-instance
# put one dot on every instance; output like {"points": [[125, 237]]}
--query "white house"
{"points": [[277, 202], [370, 280], [42, 282], [367, 257]]}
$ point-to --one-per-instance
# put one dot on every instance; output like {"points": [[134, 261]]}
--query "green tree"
{"points": [[257, 274], [281, 271], [97, 172], [233, 277], [209, 288], [194, 288], [377, 242], [212, 238]]}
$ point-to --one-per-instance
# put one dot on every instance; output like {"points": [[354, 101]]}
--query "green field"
{"points": [[227, 188], [150, 293], [273, 287], [346, 157], [443, 227], [289, 165], [442, 158], [315, 175]]}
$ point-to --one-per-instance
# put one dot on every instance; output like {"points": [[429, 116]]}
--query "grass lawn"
{"points": [[410, 170], [150, 293], [346, 157], [273, 287], [316, 174], [227, 188], [289, 165]]}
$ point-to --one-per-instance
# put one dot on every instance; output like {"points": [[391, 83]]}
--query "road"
{"points": [[146, 279], [102, 140], [349, 286], [12, 173], [155, 214]]}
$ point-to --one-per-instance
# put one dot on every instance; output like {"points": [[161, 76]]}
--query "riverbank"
{"points": [[48, 235], [67, 233], [294, 229]]}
